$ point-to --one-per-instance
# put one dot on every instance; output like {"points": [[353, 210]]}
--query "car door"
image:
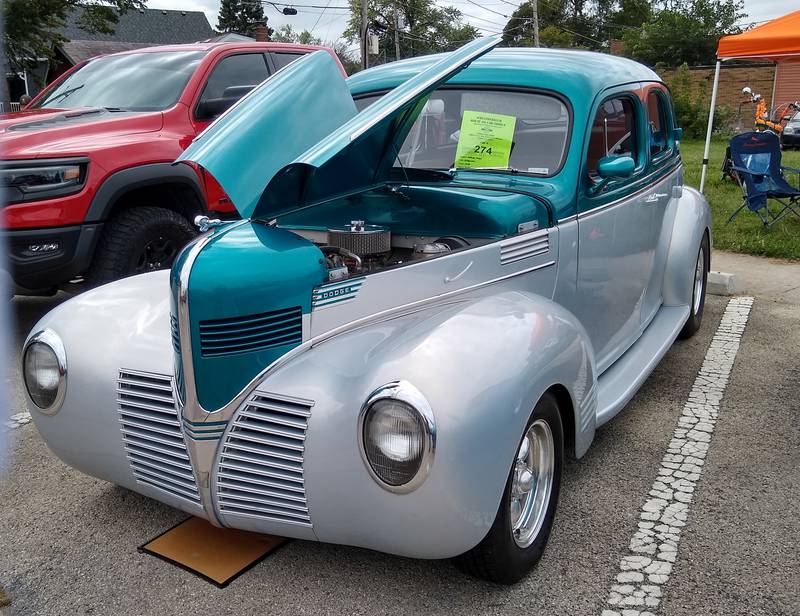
{"points": [[232, 77], [664, 177], [614, 229]]}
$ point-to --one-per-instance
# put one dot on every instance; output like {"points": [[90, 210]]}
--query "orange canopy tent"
{"points": [[775, 40]]}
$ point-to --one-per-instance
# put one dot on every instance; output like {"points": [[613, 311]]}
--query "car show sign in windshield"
{"points": [[485, 140]]}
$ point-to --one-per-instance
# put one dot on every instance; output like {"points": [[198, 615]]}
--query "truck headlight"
{"points": [[29, 180], [45, 371], [397, 436]]}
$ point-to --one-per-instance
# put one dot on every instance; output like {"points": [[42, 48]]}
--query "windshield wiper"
{"points": [[64, 94], [508, 169]]}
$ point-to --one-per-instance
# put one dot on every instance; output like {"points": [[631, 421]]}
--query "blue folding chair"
{"points": [[756, 159]]}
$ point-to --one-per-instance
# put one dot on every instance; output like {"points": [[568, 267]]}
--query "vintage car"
{"points": [[427, 304]]}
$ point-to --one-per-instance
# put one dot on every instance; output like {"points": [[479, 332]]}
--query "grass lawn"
{"points": [[746, 233]]}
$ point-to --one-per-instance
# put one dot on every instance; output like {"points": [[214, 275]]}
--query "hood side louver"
{"points": [[251, 333]]}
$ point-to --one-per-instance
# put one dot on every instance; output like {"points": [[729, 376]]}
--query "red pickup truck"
{"points": [[90, 191]]}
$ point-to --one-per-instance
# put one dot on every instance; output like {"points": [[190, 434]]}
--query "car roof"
{"points": [[577, 74], [209, 46]]}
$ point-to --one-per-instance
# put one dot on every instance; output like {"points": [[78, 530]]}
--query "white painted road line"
{"points": [[17, 420], [643, 572]]}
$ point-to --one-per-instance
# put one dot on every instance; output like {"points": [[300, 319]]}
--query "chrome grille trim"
{"points": [[260, 468], [524, 246], [151, 430], [251, 333]]}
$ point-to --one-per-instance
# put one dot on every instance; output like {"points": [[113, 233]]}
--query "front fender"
{"points": [[692, 220], [482, 363]]}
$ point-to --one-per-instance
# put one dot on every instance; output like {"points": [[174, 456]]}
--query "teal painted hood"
{"points": [[271, 126], [273, 159]]}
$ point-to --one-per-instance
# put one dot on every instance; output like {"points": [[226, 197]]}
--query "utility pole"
{"points": [[364, 42], [535, 6], [397, 35]]}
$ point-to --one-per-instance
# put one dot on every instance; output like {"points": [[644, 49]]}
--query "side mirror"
{"points": [[677, 134], [615, 167], [212, 107]]}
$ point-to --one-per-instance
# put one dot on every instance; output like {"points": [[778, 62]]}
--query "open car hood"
{"points": [[295, 140]]}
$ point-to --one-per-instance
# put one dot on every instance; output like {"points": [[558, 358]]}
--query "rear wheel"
{"points": [[139, 240], [698, 291], [517, 538]]}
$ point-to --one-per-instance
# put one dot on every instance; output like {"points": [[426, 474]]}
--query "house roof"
{"points": [[147, 26], [78, 51]]}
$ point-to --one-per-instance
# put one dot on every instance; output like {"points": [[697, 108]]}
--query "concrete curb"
{"points": [[722, 283]]}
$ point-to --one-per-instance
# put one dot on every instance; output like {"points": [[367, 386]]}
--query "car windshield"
{"points": [[498, 130], [130, 82]]}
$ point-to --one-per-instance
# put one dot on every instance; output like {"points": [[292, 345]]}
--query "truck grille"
{"points": [[260, 471], [251, 333], [151, 430]]}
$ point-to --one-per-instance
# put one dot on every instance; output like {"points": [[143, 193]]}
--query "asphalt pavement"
{"points": [[68, 541]]}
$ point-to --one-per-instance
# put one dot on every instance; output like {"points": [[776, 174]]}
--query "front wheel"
{"points": [[139, 240], [698, 291], [517, 538]]}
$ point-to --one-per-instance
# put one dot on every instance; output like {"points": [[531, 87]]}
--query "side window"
{"points": [[281, 59], [658, 123], [231, 79], [613, 132]]}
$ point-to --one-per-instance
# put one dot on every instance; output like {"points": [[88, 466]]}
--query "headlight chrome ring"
{"points": [[52, 343], [413, 409]]}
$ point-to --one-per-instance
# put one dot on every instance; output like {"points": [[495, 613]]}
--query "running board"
{"points": [[618, 384]]}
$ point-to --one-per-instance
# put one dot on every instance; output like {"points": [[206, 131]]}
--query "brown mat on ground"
{"points": [[218, 555]]}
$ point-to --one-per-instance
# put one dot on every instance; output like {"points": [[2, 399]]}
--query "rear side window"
{"points": [[613, 132], [234, 76], [281, 59], [658, 123]]}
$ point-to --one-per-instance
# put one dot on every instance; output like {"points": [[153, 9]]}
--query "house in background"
{"points": [[135, 29]]}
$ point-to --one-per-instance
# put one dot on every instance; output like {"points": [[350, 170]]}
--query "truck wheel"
{"points": [[139, 240], [516, 541], [698, 292]]}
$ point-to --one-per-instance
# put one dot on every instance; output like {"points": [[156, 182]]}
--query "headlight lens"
{"points": [[44, 371], [26, 181], [397, 436]]}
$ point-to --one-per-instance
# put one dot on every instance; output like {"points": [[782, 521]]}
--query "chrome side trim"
{"points": [[627, 198]]}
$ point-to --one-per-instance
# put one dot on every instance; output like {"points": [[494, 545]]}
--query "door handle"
{"points": [[459, 275], [653, 197]]}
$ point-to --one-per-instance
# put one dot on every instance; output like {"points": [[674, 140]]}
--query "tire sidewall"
{"points": [[518, 561]]}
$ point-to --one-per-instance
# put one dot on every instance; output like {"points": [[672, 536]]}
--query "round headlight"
{"points": [[397, 436], [45, 370]]}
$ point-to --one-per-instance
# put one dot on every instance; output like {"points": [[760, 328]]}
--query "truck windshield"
{"points": [[132, 82]]}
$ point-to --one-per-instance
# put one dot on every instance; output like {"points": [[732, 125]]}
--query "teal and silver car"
{"points": [[448, 273]]}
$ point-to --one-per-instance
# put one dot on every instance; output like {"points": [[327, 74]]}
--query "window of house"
{"points": [[613, 132]]}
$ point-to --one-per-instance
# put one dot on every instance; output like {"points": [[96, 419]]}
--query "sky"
{"points": [[488, 16]]}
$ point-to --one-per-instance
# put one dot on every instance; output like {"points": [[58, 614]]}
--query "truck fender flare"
{"points": [[122, 182], [692, 220]]}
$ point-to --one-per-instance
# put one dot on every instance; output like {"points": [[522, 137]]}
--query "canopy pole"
{"points": [[710, 127]]}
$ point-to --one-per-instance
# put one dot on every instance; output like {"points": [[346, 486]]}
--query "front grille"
{"points": [[260, 472], [176, 345], [151, 430], [251, 333]]}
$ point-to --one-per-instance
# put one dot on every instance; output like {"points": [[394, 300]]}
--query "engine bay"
{"points": [[358, 248]]}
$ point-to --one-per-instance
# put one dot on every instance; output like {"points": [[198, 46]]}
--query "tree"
{"points": [[31, 25], [287, 34], [239, 16], [687, 32], [562, 23], [424, 27]]}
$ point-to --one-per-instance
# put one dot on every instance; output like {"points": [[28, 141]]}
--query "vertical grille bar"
{"points": [[260, 473]]}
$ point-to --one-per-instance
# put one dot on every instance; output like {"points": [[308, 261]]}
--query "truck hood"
{"points": [[43, 133], [296, 139]]}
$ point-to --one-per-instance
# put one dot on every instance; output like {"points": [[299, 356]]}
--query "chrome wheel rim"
{"points": [[532, 483], [698, 280]]}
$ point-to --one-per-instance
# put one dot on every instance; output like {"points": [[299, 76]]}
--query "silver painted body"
{"points": [[482, 333]]}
